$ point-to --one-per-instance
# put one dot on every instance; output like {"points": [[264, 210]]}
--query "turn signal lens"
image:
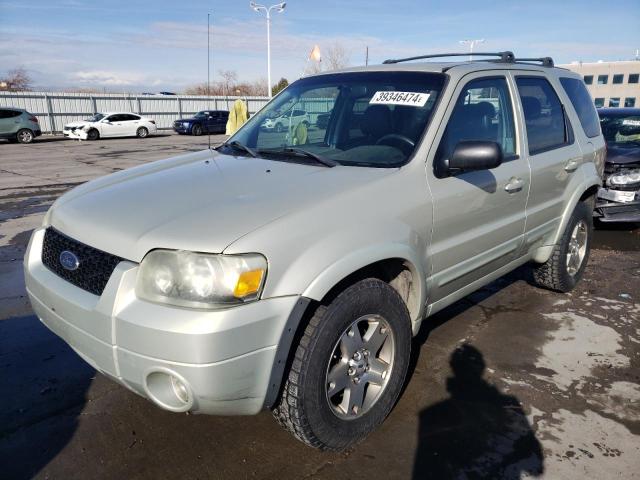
{"points": [[248, 283]]}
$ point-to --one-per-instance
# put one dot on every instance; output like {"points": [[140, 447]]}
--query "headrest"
{"points": [[532, 107], [376, 121]]}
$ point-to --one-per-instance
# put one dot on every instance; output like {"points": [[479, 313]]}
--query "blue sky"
{"points": [[155, 45]]}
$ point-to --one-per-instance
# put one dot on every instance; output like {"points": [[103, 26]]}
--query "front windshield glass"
{"points": [[201, 114], [621, 129], [96, 118], [360, 119]]}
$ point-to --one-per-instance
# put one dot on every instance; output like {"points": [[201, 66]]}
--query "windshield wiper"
{"points": [[327, 162], [240, 146]]}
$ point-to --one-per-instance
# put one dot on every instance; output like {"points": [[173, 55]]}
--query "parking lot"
{"points": [[543, 385]]}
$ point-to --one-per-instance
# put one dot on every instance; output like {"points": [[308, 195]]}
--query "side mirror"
{"points": [[475, 155], [106, 121]]}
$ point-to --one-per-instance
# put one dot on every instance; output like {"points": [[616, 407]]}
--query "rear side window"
{"points": [[543, 115], [581, 101], [10, 113], [128, 117]]}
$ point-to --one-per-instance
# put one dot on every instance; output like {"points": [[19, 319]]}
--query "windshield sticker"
{"points": [[413, 99], [633, 123]]}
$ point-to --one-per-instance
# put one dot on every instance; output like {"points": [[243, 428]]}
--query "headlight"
{"points": [[625, 179], [200, 280]]}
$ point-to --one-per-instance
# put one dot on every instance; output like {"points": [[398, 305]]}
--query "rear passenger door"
{"points": [[552, 152], [479, 216], [129, 124]]}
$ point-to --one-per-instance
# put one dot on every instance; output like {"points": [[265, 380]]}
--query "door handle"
{"points": [[514, 185], [571, 165]]}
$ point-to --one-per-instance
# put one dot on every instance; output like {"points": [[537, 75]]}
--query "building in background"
{"points": [[611, 84]]}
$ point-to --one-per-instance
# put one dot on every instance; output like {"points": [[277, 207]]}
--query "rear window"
{"points": [[581, 101]]}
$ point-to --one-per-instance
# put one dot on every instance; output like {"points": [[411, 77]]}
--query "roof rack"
{"points": [[506, 57], [502, 57]]}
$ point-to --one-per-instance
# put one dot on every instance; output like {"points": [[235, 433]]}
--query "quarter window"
{"points": [[614, 102], [618, 78], [483, 112], [588, 79], [634, 77], [629, 102], [603, 79], [543, 114], [581, 101], [599, 102], [10, 113]]}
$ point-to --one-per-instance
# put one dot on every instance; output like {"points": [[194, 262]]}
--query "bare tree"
{"points": [[229, 79], [336, 56], [16, 80]]}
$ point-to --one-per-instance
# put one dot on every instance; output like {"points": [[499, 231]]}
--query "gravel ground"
{"points": [[510, 382]]}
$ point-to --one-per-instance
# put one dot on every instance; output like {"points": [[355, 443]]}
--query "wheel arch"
{"points": [[399, 272]]}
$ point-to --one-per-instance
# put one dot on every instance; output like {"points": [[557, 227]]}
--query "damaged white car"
{"points": [[112, 124]]}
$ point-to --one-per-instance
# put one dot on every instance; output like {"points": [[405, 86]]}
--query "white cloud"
{"points": [[105, 77]]}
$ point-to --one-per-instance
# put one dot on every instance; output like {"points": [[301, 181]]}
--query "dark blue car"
{"points": [[206, 121]]}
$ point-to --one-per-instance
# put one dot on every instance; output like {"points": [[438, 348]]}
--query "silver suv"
{"points": [[289, 270]]}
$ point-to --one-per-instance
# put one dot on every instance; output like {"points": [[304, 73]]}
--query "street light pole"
{"points": [[279, 7], [471, 43]]}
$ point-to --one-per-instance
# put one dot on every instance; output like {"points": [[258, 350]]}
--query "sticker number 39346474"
{"points": [[412, 99]]}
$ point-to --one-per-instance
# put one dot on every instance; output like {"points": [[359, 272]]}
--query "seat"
{"points": [[376, 123]]}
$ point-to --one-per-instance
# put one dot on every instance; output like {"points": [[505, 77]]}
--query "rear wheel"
{"points": [[349, 367], [196, 130], [93, 134], [25, 136], [142, 132], [569, 258]]}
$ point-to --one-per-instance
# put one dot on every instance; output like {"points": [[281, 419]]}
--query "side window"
{"points": [[114, 118], [4, 113], [10, 113], [483, 112], [128, 117], [581, 101], [543, 115]]}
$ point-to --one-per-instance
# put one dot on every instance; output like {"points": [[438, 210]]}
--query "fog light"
{"points": [[180, 389]]}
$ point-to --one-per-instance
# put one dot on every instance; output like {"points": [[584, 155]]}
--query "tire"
{"points": [[306, 408], [93, 134], [25, 135], [196, 130], [142, 132], [279, 128], [560, 272]]}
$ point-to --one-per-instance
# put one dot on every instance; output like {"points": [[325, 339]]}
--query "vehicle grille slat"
{"points": [[95, 266]]}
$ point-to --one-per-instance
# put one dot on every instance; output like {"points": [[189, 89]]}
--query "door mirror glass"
{"points": [[475, 155]]}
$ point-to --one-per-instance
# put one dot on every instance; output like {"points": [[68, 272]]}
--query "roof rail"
{"points": [[546, 61], [506, 57]]}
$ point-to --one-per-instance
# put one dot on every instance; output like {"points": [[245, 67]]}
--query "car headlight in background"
{"points": [[624, 179], [200, 280]]}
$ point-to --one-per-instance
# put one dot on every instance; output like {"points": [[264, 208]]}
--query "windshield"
{"points": [[202, 114], [621, 129], [359, 119], [96, 118]]}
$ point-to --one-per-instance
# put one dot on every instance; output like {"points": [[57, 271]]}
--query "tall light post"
{"points": [[279, 7], [471, 43]]}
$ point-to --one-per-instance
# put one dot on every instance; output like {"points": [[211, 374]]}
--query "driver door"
{"points": [[479, 216]]}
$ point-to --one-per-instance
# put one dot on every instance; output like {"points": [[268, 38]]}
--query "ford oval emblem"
{"points": [[68, 260]]}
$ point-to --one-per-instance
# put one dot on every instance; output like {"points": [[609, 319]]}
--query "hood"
{"points": [[200, 202], [622, 155], [79, 123]]}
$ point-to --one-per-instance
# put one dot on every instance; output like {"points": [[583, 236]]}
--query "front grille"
{"points": [[94, 268]]}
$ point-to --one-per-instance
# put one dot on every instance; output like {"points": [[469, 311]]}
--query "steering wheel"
{"points": [[396, 140]]}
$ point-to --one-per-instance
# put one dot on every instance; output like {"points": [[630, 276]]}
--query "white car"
{"points": [[289, 120], [112, 124]]}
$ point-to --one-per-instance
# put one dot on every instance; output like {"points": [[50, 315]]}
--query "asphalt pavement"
{"points": [[510, 382]]}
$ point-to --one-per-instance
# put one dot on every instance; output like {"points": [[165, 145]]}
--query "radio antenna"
{"points": [[208, 79]]}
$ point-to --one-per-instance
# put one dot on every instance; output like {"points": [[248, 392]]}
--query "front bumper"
{"points": [[179, 128], [78, 134], [617, 206], [223, 358]]}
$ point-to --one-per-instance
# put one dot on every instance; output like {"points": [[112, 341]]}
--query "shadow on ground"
{"points": [[44, 384], [478, 432]]}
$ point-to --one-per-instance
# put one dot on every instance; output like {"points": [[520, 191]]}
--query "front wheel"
{"points": [[142, 132], [93, 134], [196, 130], [349, 367], [25, 136], [569, 258]]}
